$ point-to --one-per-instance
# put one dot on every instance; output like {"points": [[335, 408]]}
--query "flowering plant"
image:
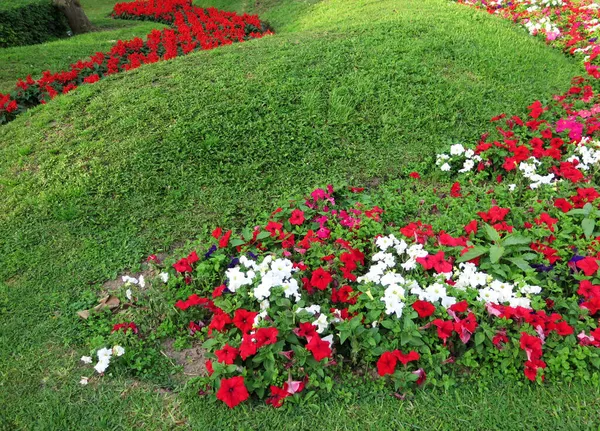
{"points": [[194, 29]]}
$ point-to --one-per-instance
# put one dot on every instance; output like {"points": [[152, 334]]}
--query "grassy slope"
{"points": [[18, 62], [100, 178]]}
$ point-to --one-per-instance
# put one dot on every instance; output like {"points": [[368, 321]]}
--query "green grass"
{"points": [[348, 90], [18, 62]]}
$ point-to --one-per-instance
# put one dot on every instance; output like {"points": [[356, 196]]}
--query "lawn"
{"points": [[353, 91]]}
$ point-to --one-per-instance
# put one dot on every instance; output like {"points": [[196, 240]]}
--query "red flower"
{"points": [[587, 289], [297, 217], [182, 265], [319, 348], [406, 358], [126, 326], [218, 291], [217, 233], [320, 279], [209, 367], [244, 319], [387, 363], [266, 336], [219, 321], [224, 240], [227, 354], [423, 308], [532, 346], [444, 328], [494, 215], [435, 261], [455, 190], [500, 339], [249, 346], [307, 330], [459, 307], [233, 391], [414, 175], [563, 205], [588, 265], [532, 367], [471, 227], [563, 329]]}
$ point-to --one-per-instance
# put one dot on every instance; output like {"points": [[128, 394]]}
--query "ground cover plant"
{"points": [[25, 22], [150, 188], [194, 29]]}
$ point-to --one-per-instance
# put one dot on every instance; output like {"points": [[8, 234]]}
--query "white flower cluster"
{"points": [[491, 290], [458, 152], [104, 357], [544, 24], [466, 276], [272, 273], [382, 272], [529, 167], [589, 154]]}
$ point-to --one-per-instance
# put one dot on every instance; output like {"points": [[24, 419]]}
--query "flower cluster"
{"points": [[193, 29], [571, 25]]}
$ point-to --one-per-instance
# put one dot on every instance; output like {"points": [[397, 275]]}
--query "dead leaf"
{"points": [[84, 314]]}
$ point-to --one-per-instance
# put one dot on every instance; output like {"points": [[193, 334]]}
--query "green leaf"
{"points": [[262, 235], [521, 263], [516, 240], [491, 233], [479, 337], [577, 212], [496, 252], [235, 242], [472, 254], [588, 226]]}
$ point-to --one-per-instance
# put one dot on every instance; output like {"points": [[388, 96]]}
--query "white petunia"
{"points": [[86, 359]]}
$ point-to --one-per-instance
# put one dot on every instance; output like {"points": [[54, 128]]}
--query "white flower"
{"points": [[142, 281], [118, 350], [86, 359], [313, 309], [445, 167], [434, 292], [101, 366], [164, 276], [321, 323], [104, 353], [83, 381], [329, 339], [457, 150], [127, 279], [512, 187], [128, 294]]}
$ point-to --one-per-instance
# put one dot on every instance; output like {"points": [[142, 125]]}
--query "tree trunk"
{"points": [[78, 20]]}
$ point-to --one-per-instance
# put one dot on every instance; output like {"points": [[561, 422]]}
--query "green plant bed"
{"points": [[27, 22]]}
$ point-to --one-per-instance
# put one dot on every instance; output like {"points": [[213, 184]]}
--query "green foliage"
{"points": [[30, 22]]}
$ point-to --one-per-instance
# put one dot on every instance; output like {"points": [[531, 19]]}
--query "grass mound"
{"points": [[346, 91]]}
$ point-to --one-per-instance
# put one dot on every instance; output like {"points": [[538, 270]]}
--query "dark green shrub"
{"points": [[26, 22]]}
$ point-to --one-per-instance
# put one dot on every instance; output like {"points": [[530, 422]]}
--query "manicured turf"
{"points": [[346, 91]]}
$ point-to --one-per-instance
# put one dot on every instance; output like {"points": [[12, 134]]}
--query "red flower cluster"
{"points": [[194, 28], [388, 360]]}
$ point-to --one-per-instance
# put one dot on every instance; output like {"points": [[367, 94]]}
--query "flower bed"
{"points": [[194, 29], [487, 265], [572, 25]]}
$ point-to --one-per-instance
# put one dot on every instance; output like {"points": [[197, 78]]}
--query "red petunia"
{"points": [[408, 357], [414, 175], [227, 354], [319, 348], [423, 308], [444, 328], [459, 307], [266, 336], [436, 262], [320, 279], [233, 391], [306, 330], [297, 217], [224, 240], [532, 346], [532, 367], [244, 319], [588, 265], [387, 363]]}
